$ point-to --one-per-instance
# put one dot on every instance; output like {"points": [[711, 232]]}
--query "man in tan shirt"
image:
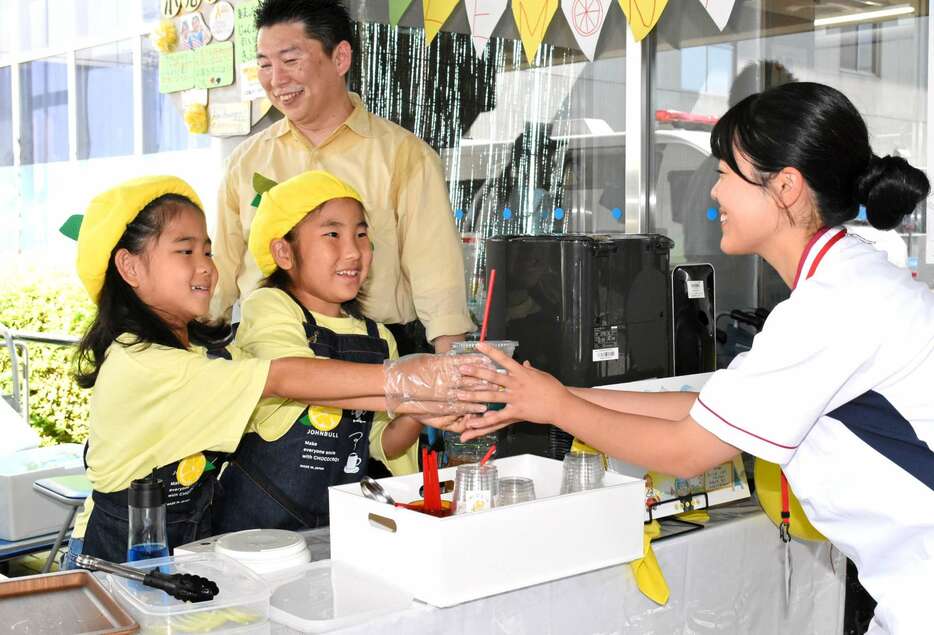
{"points": [[417, 276]]}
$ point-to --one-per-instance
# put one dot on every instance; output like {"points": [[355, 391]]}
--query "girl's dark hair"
{"points": [[327, 21], [279, 279], [817, 130], [120, 310]]}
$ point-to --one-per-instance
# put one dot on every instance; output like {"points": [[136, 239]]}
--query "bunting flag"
{"points": [[719, 10], [483, 16], [586, 19], [436, 14], [396, 9], [532, 19], [642, 15]]}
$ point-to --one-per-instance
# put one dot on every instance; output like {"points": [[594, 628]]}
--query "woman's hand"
{"points": [[450, 423], [529, 394]]}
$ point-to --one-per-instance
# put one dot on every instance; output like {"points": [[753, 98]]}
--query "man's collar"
{"points": [[358, 121]]}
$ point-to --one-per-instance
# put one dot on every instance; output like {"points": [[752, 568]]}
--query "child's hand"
{"points": [[430, 379], [450, 423], [529, 394]]}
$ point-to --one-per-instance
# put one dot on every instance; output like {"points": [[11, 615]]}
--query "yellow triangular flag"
{"points": [[532, 19], [642, 15], [436, 14]]}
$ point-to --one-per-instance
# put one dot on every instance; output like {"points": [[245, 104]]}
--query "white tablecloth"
{"points": [[725, 578]]}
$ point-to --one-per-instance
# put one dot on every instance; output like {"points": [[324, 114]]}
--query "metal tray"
{"points": [[67, 603]]}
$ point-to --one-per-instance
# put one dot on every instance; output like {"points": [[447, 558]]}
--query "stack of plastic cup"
{"points": [[515, 489], [475, 488], [582, 471]]}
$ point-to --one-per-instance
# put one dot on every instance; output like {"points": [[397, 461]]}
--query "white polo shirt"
{"points": [[838, 388]]}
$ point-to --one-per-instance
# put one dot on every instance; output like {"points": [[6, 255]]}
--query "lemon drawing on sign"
{"points": [[324, 418], [190, 469]]}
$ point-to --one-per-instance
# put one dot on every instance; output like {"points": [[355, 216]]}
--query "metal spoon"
{"points": [[374, 491]]}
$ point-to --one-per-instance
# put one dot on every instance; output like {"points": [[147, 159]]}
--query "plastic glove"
{"points": [[429, 383]]}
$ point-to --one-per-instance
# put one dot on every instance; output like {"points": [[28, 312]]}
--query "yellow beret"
{"points": [[283, 206], [107, 217]]}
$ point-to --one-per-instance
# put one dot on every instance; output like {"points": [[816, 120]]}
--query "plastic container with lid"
{"points": [[242, 606], [265, 551]]}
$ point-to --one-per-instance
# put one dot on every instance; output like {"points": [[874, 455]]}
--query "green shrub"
{"points": [[51, 302]]}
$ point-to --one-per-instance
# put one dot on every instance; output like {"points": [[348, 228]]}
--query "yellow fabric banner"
{"points": [[436, 14], [532, 19], [642, 15]]}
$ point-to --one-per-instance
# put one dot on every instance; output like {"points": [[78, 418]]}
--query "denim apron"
{"points": [[187, 508], [187, 513], [283, 484]]}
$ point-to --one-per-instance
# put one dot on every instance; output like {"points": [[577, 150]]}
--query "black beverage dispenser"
{"points": [[589, 309]]}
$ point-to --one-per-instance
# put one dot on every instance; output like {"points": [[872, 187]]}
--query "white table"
{"points": [[725, 578]]}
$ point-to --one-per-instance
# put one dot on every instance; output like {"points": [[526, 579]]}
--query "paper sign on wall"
{"points": [[229, 119], [193, 32], [483, 16], [245, 31], [396, 9], [436, 14], [176, 71], [214, 65], [532, 19], [642, 15], [586, 19], [248, 81], [719, 10]]}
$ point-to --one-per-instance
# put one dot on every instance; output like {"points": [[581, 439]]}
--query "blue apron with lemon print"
{"points": [[283, 484]]}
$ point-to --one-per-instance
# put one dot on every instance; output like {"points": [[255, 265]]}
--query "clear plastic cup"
{"points": [[459, 452], [515, 489], [475, 488], [470, 346], [581, 471]]}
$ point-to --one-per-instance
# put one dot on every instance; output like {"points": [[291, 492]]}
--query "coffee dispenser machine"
{"points": [[589, 309]]}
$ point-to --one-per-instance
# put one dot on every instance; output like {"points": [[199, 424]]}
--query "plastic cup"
{"points": [[459, 452], [581, 471], [470, 346], [515, 489], [475, 488]]}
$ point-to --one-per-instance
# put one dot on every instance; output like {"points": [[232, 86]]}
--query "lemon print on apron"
{"points": [[322, 418], [190, 469]]}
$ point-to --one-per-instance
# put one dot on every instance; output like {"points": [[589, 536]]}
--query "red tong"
{"points": [[432, 486]]}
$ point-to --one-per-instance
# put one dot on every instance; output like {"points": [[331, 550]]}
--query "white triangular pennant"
{"points": [[483, 16], [586, 19], [719, 10]]}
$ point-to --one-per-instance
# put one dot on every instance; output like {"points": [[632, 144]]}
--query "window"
{"points": [[6, 116], [163, 126], [104, 96], [859, 50], [43, 86]]}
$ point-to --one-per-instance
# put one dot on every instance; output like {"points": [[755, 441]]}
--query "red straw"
{"points": [[489, 453], [486, 309]]}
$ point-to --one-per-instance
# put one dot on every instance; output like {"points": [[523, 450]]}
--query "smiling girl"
{"points": [[159, 400]]}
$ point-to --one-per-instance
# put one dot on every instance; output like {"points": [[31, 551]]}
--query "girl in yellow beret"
{"points": [[167, 395], [309, 238]]}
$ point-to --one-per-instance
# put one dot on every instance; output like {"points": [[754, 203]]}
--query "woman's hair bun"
{"points": [[890, 188]]}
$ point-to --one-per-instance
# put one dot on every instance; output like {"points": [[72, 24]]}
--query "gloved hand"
{"points": [[429, 383]]}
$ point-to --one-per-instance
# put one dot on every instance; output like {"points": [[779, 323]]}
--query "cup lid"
{"points": [[146, 492], [260, 544]]}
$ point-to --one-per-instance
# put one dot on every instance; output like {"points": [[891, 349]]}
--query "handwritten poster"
{"points": [[245, 31], [436, 14], [483, 16], [176, 72], [248, 81], [222, 20], [586, 19], [229, 119], [719, 11], [214, 65], [642, 15], [532, 19]]}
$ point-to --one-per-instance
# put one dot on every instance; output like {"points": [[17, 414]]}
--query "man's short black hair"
{"points": [[327, 21]]}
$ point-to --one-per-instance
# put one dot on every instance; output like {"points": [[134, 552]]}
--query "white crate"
{"points": [[446, 561], [23, 512]]}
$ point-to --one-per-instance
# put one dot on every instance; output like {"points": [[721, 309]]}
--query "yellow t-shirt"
{"points": [[271, 327], [155, 405]]}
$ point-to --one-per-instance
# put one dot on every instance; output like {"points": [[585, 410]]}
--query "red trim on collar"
{"points": [[820, 255], [807, 250]]}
